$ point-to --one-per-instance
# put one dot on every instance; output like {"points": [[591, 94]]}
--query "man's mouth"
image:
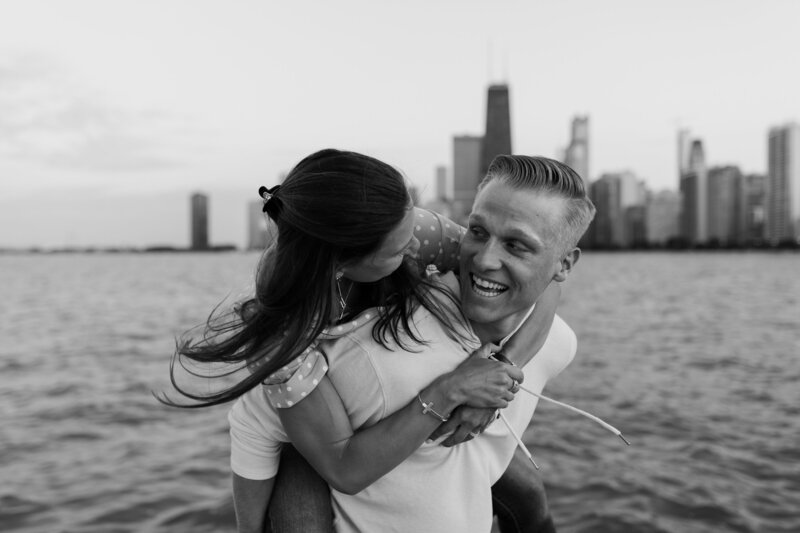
{"points": [[486, 288]]}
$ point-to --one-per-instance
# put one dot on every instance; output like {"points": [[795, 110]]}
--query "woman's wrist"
{"points": [[444, 394]]}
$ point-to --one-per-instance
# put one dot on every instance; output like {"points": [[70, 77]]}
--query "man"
{"points": [[526, 221], [522, 234]]}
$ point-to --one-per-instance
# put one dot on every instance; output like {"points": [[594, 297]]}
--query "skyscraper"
{"points": [[684, 146], [723, 188], [783, 189], [751, 215], [577, 153], [199, 221], [466, 172], [663, 216], [607, 227], [442, 189], [694, 189], [620, 199], [260, 230], [497, 139]]}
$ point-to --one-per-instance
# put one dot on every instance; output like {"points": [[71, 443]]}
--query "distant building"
{"points": [[466, 172], [442, 187], [783, 188], [607, 227], [497, 139], [662, 218], [632, 190], [684, 147], [199, 221], [620, 220], [635, 226], [723, 199], [751, 216], [260, 230], [694, 191], [576, 156]]}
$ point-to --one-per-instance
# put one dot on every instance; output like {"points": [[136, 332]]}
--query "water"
{"points": [[693, 356]]}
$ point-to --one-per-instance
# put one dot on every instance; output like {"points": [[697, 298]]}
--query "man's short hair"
{"points": [[549, 177]]}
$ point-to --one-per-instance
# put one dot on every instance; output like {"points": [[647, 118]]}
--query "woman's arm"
{"points": [[520, 349], [351, 460], [250, 500], [439, 240]]}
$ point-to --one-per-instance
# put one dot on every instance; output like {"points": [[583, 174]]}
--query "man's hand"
{"points": [[465, 423]]}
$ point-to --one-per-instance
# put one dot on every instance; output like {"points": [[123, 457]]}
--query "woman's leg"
{"points": [[301, 499], [519, 499]]}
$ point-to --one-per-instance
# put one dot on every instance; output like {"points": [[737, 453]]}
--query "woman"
{"points": [[345, 225]]}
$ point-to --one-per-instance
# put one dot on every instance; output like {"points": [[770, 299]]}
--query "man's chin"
{"points": [[478, 310]]}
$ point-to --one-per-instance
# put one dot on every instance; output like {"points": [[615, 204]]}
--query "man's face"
{"points": [[510, 254]]}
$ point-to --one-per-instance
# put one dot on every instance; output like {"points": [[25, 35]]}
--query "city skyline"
{"points": [[103, 135]]}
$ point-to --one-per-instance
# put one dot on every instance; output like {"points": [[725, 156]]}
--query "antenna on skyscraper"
{"points": [[489, 61], [505, 65]]}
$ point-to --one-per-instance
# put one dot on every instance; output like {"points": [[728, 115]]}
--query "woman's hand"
{"points": [[465, 423], [481, 382]]}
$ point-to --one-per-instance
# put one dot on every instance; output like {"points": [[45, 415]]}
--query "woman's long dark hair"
{"points": [[333, 207]]}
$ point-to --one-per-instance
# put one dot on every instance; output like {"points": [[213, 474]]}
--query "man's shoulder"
{"points": [[560, 347]]}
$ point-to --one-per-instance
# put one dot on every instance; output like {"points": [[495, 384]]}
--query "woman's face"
{"points": [[399, 243]]}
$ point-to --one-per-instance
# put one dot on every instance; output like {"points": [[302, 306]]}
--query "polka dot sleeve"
{"points": [[439, 240], [296, 380]]}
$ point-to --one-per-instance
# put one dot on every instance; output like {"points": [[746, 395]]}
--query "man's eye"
{"points": [[516, 246]]}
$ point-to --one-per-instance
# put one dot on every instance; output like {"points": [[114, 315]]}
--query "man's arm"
{"points": [[250, 500]]}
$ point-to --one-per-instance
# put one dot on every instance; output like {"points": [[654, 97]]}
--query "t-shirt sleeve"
{"points": [[255, 454], [295, 381], [567, 343], [439, 240]]}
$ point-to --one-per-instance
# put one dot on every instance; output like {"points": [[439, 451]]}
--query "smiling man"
{"points": [[522, 234]]}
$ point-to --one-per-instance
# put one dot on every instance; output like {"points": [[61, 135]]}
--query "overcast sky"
{"points": [[113, 111]]}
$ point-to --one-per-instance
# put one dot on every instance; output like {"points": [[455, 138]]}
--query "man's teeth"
{"points": [[484, 287]]}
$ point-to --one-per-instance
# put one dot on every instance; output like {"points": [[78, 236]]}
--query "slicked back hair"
{"points": [[549, 177]]}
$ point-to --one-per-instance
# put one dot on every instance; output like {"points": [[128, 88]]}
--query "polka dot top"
{"points": [[296, 380], [439, 239]]}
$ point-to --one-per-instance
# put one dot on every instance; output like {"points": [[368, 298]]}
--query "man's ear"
{"points": [[567, 263]]}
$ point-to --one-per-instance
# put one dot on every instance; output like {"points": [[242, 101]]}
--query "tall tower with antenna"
{"points": [[497, 139], [497, 136]]}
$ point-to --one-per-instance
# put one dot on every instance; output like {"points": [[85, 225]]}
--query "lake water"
{"points": [[695, 357]]}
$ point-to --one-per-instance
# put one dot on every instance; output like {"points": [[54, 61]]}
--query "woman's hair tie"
{"points": [[272, 204]]}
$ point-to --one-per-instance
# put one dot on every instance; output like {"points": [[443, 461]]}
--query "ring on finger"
{"points": [[474, 433], [514, 386]]}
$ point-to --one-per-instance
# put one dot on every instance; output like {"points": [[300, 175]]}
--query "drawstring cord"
{"points": [[581, 412]]}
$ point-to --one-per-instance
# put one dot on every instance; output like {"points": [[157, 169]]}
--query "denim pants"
{"points": [[301, 500]]}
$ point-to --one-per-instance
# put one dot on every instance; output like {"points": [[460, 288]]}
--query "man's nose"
{"points": [[488, 257]]}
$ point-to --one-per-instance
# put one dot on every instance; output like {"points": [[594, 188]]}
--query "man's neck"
{"points": [[495, 332]]}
